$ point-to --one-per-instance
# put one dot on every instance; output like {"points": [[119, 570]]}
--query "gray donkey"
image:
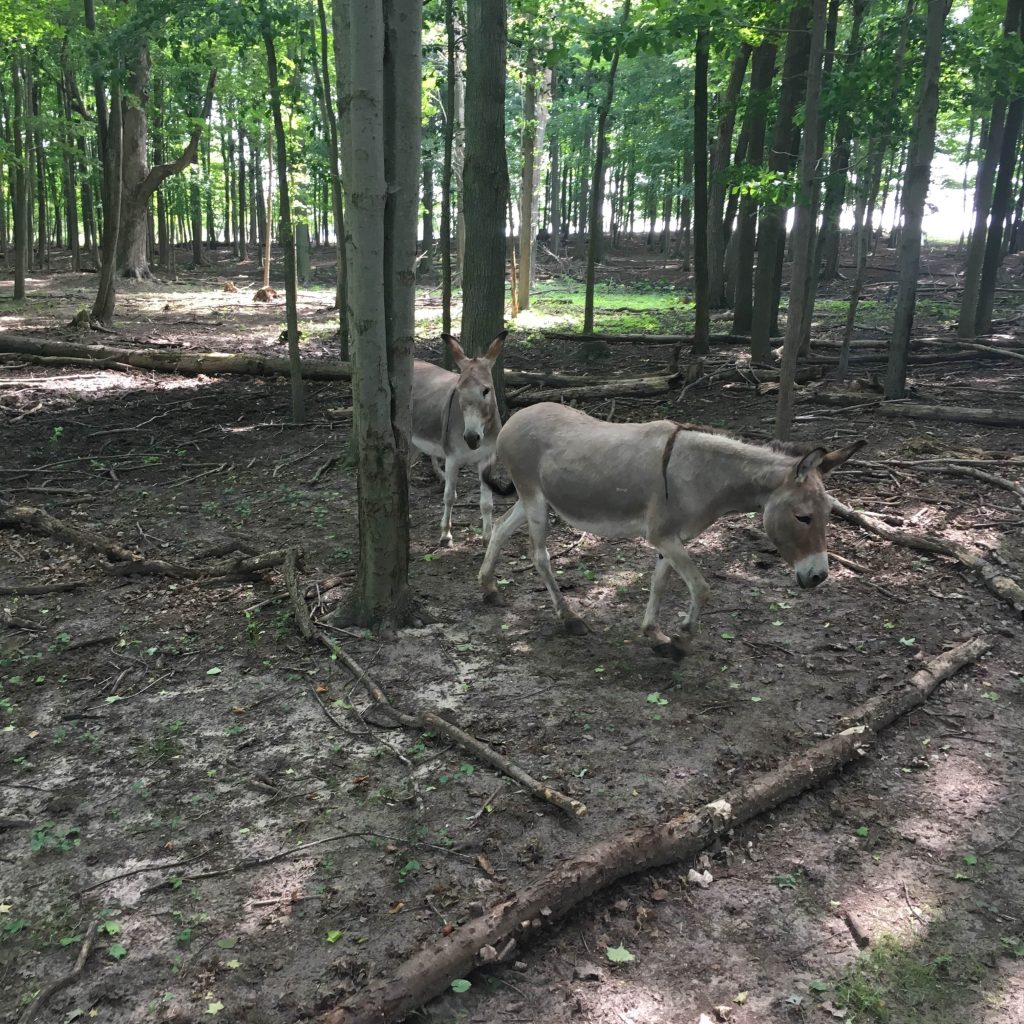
{"points": [[455, 417]]}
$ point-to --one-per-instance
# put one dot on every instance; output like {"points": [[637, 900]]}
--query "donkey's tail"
{"points": [[506, 490]]}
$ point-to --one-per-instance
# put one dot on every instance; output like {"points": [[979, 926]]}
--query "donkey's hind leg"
{"points": [[537, 517], [663, 645], [503, 529], [675, 554]]}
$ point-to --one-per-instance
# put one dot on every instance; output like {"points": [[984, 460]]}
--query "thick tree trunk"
{"points": [[535, 115], [485, 180], [761, 73], [447, 173], [555, 209], [915, 192], [801, 289], [719, 169], [772, 219]]}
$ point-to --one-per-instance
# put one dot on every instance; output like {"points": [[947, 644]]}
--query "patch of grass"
{"points": [[894, 984]]}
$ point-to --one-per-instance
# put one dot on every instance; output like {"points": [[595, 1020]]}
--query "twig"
{"points": [[143, 871], [55, 986]]}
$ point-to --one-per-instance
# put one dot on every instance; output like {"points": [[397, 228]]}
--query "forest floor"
{"points": [[157, 735]]}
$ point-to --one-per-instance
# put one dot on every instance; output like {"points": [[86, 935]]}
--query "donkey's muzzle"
{"points": [[472, 438], [809, 580]]}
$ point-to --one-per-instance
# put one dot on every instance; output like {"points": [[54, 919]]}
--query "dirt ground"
{"points": [[156, 736]]}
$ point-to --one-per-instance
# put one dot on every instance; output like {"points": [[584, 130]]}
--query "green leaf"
{"points": [[228, 943], [233, 965], [117, 951], [111, 928], [727, 636], [619, 954], [907, 641], [990, 695], [461, 985], [786, 881], [818, 986], [214, 672], [214, 1008], [656, 698], [862, 832], [334, 935], [970, 859], [757, 700]]}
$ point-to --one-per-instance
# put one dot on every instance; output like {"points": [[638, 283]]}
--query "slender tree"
{"points": [[915, 192]]}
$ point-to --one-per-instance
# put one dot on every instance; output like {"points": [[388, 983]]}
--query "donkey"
{"points": [[662, 481], [455, 417]]}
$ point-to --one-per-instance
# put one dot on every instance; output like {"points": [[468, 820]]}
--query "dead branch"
{"points": [[1003, 586], [637, 387], [12, 621], [33, 590], [528, 913], [127, 562], [646, 339], [419, 720], [917, 410], [55, 986], [952, 469]]}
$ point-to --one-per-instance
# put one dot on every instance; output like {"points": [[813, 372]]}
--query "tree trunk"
{"points": [[380, 136], [761, 73], [535, 115], [20, 195], [984, 183], [447, 174], [43, 253], [701, 284], [596, 218], [291, 284], [241, 196], [427, 206], [772, 219], [719, 170], [485, 180], [915, 192], [801, 289], [1002, 199], [554, 177]]}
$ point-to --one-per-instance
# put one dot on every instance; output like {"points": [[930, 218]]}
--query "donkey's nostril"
{"points": [[472, 439]]}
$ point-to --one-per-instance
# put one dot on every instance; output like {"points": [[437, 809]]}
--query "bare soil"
{"points": [[158, 735]]}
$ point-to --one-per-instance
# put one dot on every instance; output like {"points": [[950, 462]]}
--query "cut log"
{"points": [[918, 410], [530, 912], [636, 387], [1004, 587], [171, 361]]}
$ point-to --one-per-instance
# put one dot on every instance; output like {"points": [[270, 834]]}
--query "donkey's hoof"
{"points": [[494, 598], [682, 643], [445, 542], [669, 650], [575, 627]]}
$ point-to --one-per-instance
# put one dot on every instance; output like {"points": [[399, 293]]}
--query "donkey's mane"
{"points": [[796, 449]]}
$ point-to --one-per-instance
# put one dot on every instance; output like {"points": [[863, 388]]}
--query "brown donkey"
{"points": [[661, 481]]}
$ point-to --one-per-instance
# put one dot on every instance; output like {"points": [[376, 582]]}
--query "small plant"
{"points": [[46, 837], [55, 437]]}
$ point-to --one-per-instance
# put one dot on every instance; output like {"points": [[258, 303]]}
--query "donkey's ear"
{"points": [[494, 349], [456, 349], [833, 460], [811, 461]]}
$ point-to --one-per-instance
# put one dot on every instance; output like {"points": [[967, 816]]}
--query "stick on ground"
{"points": [[530, 912]]}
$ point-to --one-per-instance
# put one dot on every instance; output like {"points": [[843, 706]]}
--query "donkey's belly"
{"points": [[602, 526]]}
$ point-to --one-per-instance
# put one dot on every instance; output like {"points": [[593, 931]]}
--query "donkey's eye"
{"points": [[487, 391], [806, 520]]}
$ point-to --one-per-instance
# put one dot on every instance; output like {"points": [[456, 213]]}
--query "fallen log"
{"points": [[173, 361], [646, 339], [917, 410], [127, 562], [1004, 587], [950, 469], [530, 912], [636, 387]]}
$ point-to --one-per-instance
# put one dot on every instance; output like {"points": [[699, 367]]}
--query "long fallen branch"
{"points": [[952, 469], [419, 720], [125, 561], [1004, 587], [530, 912], [918, 410], [646, 339]]}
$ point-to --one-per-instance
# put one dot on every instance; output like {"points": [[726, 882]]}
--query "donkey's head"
{"points": [[475, 391], [796, 514]]}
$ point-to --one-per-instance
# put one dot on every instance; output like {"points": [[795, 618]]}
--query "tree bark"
{"points": [[801, 289], [915, 192], [535, 115], [20, 191], [772, 218], [485, 182], [529, 913], [447, 173], [761, 73], [719, 170]]}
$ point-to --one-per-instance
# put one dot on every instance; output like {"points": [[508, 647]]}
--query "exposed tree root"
{"points": [[527, 914], [1004, 587], [49, 991], [419, 720]]}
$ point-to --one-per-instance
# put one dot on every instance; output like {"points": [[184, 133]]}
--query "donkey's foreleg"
{"points": [[538, 519], [676, 555], [662, 643], [503, 529], [486, 503], [451, 474]]}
